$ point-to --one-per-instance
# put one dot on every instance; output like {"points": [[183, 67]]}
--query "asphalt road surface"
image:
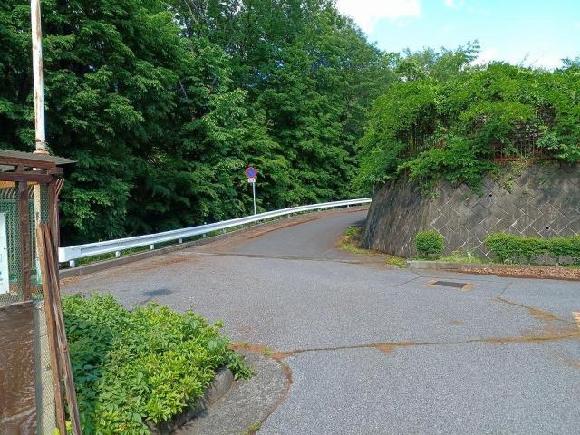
{"points": [[375, 349]]}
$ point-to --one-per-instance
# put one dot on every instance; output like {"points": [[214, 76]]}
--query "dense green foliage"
{"points": [[509, 248], [429, 244], [450, 120], [142, 365], [163, 103]]}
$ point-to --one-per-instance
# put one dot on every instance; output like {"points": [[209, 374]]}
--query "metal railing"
{"points": [[71, 253]]}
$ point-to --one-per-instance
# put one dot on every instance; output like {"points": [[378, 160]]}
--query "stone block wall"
{"points": [[539, 200]]}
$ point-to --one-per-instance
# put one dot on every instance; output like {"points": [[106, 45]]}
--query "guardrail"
{"points": [[71, 253]]}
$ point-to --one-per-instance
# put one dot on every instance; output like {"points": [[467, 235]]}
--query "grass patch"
{"points": [[253, 428], [393, 260], [350, 241], [140, 367]]}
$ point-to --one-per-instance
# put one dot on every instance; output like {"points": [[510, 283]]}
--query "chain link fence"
{"points": [[13, 291]]}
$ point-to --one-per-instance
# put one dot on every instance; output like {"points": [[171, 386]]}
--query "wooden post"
{"points": [[53, 212], [53, 280], [52, 334], [25, 248]]}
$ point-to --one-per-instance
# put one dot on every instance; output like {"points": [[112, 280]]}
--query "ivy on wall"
{"points": [[454, 126]]}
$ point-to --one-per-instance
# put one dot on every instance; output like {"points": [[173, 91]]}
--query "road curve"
{"points": [[374, 349]]}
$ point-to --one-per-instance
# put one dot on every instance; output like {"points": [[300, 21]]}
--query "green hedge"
{"points": [[429, 244], [145, 365], [509, 248]]}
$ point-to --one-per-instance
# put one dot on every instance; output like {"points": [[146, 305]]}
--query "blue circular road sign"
{"points": [[251, 172]]}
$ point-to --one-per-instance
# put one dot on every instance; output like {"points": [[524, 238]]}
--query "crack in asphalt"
{"points": [[508, 285], [536, 312], [410, 280], [389, 346], [550, 335]]}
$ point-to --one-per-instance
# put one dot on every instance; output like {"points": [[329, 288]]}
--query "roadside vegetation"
{"points": [[504, 248], [351, 242], [429, 244], [452, 121], [141, 367], [512, 249]]}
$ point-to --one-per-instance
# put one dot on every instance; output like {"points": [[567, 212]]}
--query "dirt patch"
{"points": [[390, 347], [156, 262], [543, 272], [385, 348], [535, 312], [553, 327], [543, 315], [554, 335], [261, 349]]}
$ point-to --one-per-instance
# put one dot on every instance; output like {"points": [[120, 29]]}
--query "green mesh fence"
{"points": [[9, 201], [13, 232]]}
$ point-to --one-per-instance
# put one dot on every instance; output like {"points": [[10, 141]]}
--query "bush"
{"points": [[429, 244], [145, 365], [509, 248]]}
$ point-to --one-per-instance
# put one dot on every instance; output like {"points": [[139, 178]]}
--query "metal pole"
{"points": [[254, 190], [39, 133], [37, 67]]}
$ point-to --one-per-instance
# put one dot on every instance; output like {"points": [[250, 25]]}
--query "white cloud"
{"points": [[542, 59], [366, 13], [454, 3], [486, 56]]}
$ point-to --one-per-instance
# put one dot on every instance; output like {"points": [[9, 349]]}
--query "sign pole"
{"points": [[252, 175], [254, 190]]}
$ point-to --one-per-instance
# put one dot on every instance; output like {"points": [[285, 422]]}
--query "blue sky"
{"points": [[532, 32]]}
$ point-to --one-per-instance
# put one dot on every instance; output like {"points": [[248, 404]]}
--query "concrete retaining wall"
{"points": [[539, 200]]}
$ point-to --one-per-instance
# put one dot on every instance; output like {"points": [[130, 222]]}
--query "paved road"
{"points": [[375, 349]]}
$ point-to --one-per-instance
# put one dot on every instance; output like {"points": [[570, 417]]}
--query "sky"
{"points": [[531, 32]]}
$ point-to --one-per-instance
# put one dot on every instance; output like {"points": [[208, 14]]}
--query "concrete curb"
{"points": [[433, 265], [217, 389], [511, 271], [248, 403]]}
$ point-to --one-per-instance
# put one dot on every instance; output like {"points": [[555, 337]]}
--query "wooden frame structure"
{"points": [[37, 178], [20, 170]]}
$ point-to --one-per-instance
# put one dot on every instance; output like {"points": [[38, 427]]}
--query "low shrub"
{"points": [[429, 244], [509, 248], [145, 365]]}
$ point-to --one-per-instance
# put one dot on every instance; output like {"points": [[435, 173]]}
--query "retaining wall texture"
{"points": [[541, 200]]}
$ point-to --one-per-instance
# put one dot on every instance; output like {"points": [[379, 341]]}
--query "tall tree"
{"points": [[163, 103]]}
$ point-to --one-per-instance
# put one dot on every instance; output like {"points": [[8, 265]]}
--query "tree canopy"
{"points": [[163, 104]]}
